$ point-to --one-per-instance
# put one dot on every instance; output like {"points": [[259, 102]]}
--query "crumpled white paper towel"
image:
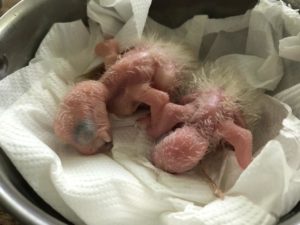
{"points": [[123, 187]]}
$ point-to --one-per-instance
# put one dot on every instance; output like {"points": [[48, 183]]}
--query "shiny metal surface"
{"points": [[21, 201], [21, 31], [23, 27], [293, 218]]}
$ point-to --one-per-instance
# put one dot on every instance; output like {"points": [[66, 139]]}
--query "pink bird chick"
{"points": [[221, 108], [147, 74], [190, 115]]}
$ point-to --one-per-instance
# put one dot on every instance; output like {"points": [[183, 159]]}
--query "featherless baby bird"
{"points": [[191, 113], [219, 108], [148, 73]]}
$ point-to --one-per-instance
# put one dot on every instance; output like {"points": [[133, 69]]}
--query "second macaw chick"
{"points": [[149, 73], [221, 108]]}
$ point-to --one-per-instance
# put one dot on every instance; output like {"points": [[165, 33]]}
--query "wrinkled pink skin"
{"points": [[85, 102], [183, 148], [180, 151], [144, 77], [139, 76]]}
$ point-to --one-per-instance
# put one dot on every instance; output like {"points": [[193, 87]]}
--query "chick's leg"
{"points": [[164, 115], [166, 119], [155, 98], [240, 138]]}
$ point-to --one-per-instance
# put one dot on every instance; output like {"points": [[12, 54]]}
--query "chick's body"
{"points": [[147, 74], [220, 107]]}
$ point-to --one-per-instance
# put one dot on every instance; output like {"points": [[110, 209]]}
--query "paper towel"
{"points": [[123, 187]]}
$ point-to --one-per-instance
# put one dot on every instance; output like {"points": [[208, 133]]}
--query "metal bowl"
{"points": [[30, 20]]}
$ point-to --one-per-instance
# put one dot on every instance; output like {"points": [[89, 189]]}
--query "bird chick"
{"points": [[81, 120], [149, 73], [220, 108]]}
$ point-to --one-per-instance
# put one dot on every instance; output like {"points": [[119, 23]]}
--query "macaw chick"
{"points": [[149, 73], [221, 108], [81, 120]]}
